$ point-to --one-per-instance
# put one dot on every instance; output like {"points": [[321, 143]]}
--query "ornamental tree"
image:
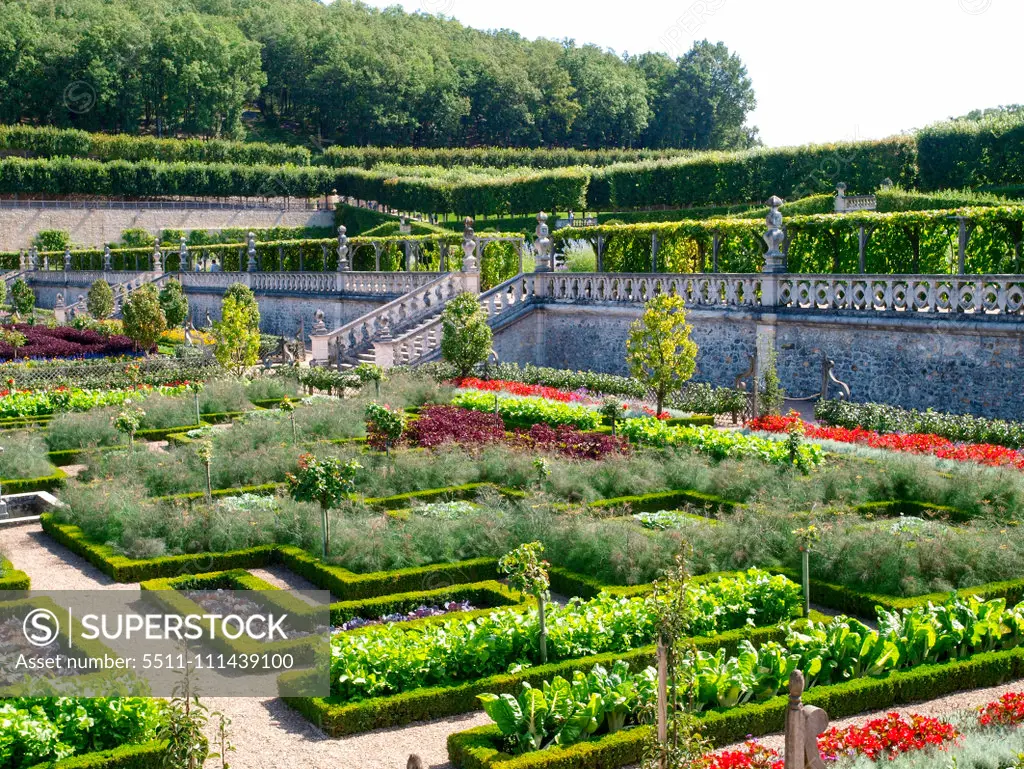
{"points": [[384, 426], [238, 331], [370, 372], [659, 350], [128, 421], [174, 303], [100, 301], [288, 407], [466, 337], [325, 481], [205, 453], [23, 299], [196, 388], [527, 573], [143, 317], [15, 339]]}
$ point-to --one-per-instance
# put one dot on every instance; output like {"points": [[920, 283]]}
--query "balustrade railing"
{"points": [[932, 294], [718, 290], [314, 283], [412, 307]]}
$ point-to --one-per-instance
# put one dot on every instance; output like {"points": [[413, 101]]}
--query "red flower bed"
{"points": [[914, 443], [886, 737], [518, 388], [750, 756], [438, 425], [64, 342], [570, 442], [1007, 711]]}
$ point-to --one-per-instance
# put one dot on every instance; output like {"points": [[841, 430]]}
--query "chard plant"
{"points": [[528, 574]]}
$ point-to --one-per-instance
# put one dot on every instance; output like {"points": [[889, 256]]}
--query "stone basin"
{"points": [[22, 508]]}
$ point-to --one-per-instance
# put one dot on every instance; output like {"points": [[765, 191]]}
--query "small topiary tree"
{"points": [[384, 426], [3, 292], [370, 372], [127, 422], [14, 338], [288, 407], [52, 240], [23, 299], [205, 453], [100, 301], [238, 330], [143, 317], [659, 350], [466, 337], [773, 398], [196, 388], [528, 574], [325, 481], [611, 409], [174, 303], [806, 540]]}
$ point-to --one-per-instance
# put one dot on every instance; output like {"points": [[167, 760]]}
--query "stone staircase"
{"points": [[419, 308], [122, 291], [504, 303]]}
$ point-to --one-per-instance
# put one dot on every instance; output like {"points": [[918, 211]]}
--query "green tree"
{"points": [[327, 482], [3, 292], [52, 240], [100, 301], [466, 336], [238, 330], [174, 303], [773, 398], [128, 420], [659, 350], [23, 298], [528, 574], [143, 317], [14, 338]]}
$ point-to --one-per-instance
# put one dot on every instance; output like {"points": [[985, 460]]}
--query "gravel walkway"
{"points": [[266, 733]]}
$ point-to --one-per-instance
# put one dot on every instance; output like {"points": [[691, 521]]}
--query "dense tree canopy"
{"points": [[345, 73]]}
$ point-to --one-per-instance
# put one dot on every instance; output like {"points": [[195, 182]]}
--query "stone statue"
{"points": [[158, 257], [469, 244], [803, 725], [415, 762], [343, 264], [209, 320], [182, 254], [774, 237], [107, 266], [67, 259], [542, 245], [251, 266], [319, 327]]}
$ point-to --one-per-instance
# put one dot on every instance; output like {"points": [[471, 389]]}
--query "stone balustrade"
{"points": [[933, 294], [414, 306], [312, 283], [718, 290]]}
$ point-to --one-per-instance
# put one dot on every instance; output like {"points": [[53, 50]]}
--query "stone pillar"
{"points": [[158, 259], [251, 265], [46, 261], [183, 260], [542, 245], [60, 310], [804, 724], [67, 259], [107, 259], [343, 263], [33, 258], [320, 339], [840, 198]]}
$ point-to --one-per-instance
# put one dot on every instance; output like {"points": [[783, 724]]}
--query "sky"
{"points": [[823, 70]]}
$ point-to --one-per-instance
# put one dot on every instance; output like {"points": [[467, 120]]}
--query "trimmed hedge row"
{"points": [[340, 582], [11, 578], [480, 748], [27, 485], [339, 720], [863, 604], [147, 756]]}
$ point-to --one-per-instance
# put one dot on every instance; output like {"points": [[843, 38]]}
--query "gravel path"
{"points": [[49, 565], [942, 707], [266, 733]]}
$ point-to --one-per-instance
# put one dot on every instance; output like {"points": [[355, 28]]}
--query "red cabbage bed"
{"points": [[42, 342]]}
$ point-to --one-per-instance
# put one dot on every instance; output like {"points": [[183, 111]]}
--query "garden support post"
{"points": [[806, 561], [862, 249], [600, 253], [654, 252], [663, 698], [716, 245], [804, 724], [543, 630], [325, 522]]}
